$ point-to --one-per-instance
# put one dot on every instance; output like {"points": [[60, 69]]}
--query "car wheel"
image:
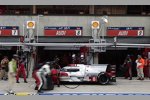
{"points": [[103, 79]]}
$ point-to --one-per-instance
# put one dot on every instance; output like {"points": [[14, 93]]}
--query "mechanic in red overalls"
{"points": [[55, 71], [37, 81], [146, 73], [21, 70], [128, 65], [149, 68]]}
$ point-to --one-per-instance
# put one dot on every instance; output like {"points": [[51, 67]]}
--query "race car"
{"points": [[101, 73]]}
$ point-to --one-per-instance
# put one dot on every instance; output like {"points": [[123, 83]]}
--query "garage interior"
{"points": [[111, 56]]}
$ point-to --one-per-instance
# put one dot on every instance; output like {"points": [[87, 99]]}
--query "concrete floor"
{"points": [[121, 86]]}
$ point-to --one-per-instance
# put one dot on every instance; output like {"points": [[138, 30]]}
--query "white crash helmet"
{"points": [[82, 56], [74, 55]]}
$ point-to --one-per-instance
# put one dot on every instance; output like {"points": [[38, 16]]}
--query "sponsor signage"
{"points": [[125, 31], [63, 31], [30, 24], [95, 24], [9, 30]]}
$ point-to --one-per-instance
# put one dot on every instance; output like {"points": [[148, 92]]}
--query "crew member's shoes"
{"points": [[139, 79], [142, 78], [4, 78], [17, 82], [40, 91], [130, 79], [11, 92], [25, 82], [36, 88]]}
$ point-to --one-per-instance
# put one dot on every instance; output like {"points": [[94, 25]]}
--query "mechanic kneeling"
{"points": [[43, 74]]}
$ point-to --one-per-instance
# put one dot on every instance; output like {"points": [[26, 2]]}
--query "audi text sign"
{"points": [[9, 30], [63, 31], [125, 31]]}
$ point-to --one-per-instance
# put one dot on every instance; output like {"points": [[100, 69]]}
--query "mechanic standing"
{"points": [[82, 58], [4, 66], [21, 70], [128, 65], [41, 74], [140, 66], [149, 68], [55, 71], [12, 72], [146, 66], [73, 58]]}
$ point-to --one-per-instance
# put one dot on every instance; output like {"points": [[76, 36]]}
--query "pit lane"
{"points": [[121, 87]]}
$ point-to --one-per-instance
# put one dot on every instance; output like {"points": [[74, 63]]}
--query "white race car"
{"points": [[101, 73]]}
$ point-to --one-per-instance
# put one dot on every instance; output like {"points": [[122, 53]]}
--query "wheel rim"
{"points": [[103, 79]]}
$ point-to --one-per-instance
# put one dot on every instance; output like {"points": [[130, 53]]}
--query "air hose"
{"points": [[71, 87]]}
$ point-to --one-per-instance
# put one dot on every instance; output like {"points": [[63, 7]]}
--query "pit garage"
{"points": [[117, 57], [8, 50], [113, 55]]}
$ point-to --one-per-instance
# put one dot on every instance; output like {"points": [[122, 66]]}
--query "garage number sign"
{"points": [[9, 30], [63, 31], [125, 31]]}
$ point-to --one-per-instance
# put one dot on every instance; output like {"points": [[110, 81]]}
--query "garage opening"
{"points": [[7, 51], [117, 57], [65, 56], [114, 57]]}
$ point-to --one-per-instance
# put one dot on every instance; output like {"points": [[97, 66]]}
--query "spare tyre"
{"points": [[103, 78]]}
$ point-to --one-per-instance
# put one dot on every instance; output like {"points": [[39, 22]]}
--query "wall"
{"points": [[84, 21]]}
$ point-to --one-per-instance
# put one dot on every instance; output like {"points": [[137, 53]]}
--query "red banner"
{"points": [[63, 31], [125, 31], [9, 30]]}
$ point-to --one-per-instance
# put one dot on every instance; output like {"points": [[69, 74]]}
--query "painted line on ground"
{"points": [[92, 94], [79, 94]]}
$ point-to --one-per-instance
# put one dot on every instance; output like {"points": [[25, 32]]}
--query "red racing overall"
{"points": [[21, 70]]}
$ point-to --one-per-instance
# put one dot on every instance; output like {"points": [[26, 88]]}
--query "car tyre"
{"points": [[103, 79]]}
